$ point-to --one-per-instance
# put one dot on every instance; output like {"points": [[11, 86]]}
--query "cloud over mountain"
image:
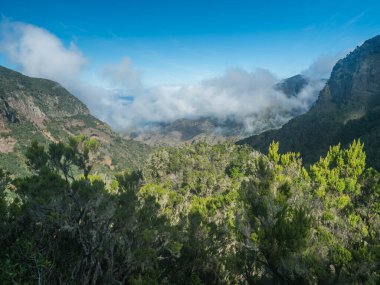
{"points": [[236, 94], [124, 102]]}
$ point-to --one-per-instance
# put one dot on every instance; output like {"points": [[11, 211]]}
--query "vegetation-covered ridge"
{"points": [[198, 214]]}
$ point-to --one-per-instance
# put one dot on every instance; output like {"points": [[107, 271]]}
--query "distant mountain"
{"points": [[347, 108], [215, 130], [292, 86], [181, 131], [33, 108]]}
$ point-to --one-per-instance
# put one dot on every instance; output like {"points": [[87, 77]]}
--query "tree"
{"points": [[275, 226], [345, 207]]}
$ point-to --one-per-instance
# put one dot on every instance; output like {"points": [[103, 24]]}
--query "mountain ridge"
{"points": [[350, 98]]}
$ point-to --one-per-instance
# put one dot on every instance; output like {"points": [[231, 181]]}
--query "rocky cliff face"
{"points": [[355, 79], [33, 108], [351, 98]]}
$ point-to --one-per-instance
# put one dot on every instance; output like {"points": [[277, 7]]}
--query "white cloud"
{"points": [[39, 53], [322, 66], [123, 76]]}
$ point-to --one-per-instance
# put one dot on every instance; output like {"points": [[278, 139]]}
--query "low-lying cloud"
{"points": [[125, 103]]}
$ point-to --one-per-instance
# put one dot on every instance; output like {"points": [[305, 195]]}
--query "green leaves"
{"points": [[36, 156], [275, 225], [79, 153]]}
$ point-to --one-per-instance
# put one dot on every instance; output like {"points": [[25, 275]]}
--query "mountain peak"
{"points": [[355, 79]]}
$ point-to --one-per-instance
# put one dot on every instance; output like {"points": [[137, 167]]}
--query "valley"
{"points": [[189, 143]]}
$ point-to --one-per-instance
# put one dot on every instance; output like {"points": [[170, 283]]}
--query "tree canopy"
{"points": [[197, 214]]}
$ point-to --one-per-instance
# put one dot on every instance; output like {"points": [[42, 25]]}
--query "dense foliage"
{"points": [[198, 214]]}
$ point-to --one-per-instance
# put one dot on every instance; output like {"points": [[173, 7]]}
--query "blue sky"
{"points": [[184, 41], [137, 62]]}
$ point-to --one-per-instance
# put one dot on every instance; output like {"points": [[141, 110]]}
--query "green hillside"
{"points": [[43, 110]]}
